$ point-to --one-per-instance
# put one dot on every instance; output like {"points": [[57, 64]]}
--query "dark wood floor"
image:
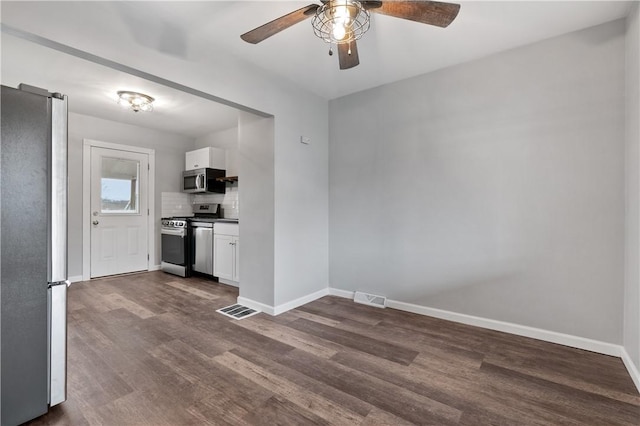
{"points": [[150, 349]]}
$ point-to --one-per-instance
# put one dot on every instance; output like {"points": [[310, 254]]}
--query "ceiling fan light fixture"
{"points": [[340, 21], [136, 101]]}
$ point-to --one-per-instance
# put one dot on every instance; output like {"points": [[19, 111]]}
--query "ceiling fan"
{"points": [[342, 22]]}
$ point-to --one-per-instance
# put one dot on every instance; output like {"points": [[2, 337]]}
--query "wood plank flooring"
{"points": [[149, 349]]}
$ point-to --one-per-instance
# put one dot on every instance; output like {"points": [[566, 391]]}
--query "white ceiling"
{"points": [[91, 90], [392, 50]]}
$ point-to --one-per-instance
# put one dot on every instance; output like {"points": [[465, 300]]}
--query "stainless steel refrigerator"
{"points": [[33, 251]]}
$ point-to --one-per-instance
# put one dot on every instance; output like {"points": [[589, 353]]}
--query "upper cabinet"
{"points": [[214, 158]]}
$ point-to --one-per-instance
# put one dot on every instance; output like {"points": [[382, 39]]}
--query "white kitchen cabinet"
{"points": [[214, 158], [226, 248]]}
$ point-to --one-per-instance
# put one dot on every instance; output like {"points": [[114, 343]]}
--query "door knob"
{"points": [[95, 222]]}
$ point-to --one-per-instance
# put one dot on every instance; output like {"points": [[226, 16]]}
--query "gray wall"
{"points": [[494, 188], [256, 165], [632, 270], [301, 201], [169, 150]]}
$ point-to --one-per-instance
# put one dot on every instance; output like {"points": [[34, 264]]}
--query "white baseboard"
{"points": [[507, 327], [255, 305], [341, 293], [631, 368], [301, 301], [280, 309], [154, 268], [520, 330]]}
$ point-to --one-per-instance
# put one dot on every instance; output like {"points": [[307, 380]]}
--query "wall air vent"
{"points": [[370, 299]]}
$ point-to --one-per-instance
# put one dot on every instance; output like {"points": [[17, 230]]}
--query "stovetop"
{"points": [[183, 221]]}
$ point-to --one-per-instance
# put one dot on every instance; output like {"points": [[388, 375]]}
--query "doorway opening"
{"points": [[118, 207]]}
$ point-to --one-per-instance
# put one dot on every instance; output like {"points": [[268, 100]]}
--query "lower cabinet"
{"points": [[225, 254]]}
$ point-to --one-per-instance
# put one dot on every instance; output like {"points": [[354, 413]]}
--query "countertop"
{"points": [[213, 220]]}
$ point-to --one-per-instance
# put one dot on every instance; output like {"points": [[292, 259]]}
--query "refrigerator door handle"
{"points": [[58, 193], [58, 342]]}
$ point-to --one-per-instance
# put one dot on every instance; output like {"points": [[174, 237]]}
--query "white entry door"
{"points": [[119, 212]]}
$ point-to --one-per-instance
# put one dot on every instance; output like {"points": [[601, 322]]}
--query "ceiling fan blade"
{"points": [[282, 23], [348, 60], [426, 12]]}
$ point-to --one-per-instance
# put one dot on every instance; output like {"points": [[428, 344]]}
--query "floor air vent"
{"points": [[237, 311], [370, 299]]}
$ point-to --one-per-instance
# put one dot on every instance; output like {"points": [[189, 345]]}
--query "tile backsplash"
{"points": [[176, 204], [228, 201], [180, 204]]}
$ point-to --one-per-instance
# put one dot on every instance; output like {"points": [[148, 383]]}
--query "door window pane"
{"points": [[120, 186]]}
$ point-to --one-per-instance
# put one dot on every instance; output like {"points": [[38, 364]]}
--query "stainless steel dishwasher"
{"points": [[202, 247]]}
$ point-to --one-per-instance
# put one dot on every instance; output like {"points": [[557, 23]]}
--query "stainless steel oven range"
{"points": [[175, 247]]}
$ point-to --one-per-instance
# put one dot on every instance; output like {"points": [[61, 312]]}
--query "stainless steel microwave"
{"points": [[203, 180]]}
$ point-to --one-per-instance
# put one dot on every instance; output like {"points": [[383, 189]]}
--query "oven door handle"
{"points": [[177, 233]]}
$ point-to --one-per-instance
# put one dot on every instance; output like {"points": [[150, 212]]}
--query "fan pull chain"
{"points": [[349, 52], [330, 50]]}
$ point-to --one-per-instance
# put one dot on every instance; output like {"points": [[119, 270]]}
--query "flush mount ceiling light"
{"points": [[136, 101], [342, 22]]}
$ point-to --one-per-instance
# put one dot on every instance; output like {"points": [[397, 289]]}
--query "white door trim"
{"points": [[86, 201]]}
